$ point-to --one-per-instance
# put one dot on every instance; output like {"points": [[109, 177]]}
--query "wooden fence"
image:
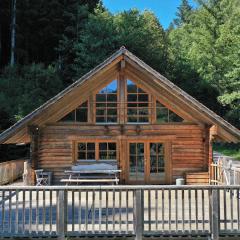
{"points": [[224, 173], [216, 174], [136, 211], [11, 170]]}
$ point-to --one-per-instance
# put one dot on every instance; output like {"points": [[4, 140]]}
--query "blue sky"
{"points": [[164, 9]]}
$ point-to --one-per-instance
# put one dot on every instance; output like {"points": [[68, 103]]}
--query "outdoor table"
{"points": [[87, 176]]}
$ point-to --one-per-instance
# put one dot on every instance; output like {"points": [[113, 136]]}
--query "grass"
{"points": [[231, 150], [231, 153]]}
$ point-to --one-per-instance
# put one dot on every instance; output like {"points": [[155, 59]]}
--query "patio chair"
{"points": [[41, 179]]}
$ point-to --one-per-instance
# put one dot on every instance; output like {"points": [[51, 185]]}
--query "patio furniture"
{"points": [[43, 178], [93, 173]]}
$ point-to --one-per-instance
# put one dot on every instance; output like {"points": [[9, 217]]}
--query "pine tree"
{"points": [[5, 23], [209, 44], [13, 33], [183, 13], [105, 33]]}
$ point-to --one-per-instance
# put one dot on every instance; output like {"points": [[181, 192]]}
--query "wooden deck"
{"points": [[134, 211]]}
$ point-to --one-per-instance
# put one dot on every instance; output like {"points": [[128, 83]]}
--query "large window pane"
{"points": [[80, 114], [157, 163], [69, 117], [107, 151], [86, 151], [106, 104], [131, 87], [164, 115], [136, 161], [173, 117], [137, 104]]}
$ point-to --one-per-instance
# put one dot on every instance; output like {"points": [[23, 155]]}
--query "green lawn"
{"points": [[228, 150]]}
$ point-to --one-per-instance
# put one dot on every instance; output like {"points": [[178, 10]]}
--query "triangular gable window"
{"points": [[138, 107], [164, 115], [80, 114]]}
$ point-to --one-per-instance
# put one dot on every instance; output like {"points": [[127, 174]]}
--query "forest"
{"points": [[45, 45]]}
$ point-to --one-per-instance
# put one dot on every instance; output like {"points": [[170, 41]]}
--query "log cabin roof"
{"points": [[18, 133]]}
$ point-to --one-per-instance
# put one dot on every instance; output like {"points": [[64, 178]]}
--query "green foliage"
{"points": [[183, 14], [104, 33], [228, 149], [209, 44], [199, 51], [26, 88], [39, 27], [76, 15]]}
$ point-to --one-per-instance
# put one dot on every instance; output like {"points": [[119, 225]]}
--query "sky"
{"points": [[164, 9]]}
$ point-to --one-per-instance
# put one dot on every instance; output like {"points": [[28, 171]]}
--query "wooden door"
{"points": [[147, 162]]}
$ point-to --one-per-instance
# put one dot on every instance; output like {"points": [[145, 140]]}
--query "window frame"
{"points": [[75, 114], [106, 108], [97, 150], [126, 107], [122, 108], [86, 151], [169, 111]]}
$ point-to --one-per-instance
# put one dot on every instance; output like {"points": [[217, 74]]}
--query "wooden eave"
{"points": [[56, 107]]}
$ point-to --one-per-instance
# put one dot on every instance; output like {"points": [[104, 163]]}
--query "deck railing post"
{"points": [[62, 214], [214, 213], [138, 214]]}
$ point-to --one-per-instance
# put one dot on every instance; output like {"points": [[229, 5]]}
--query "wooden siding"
{"points": [[200, 178], [186, 144]]}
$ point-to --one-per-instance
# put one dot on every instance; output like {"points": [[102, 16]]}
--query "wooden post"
{"points": [[207, 148], [62, 214], [34, 142], [121, 95], [138, 214], [214, 213]]}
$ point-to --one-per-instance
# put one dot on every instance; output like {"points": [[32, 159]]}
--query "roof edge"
{"points": [[211, 115], [19, 124]]}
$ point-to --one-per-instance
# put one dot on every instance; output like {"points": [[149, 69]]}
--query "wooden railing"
{"points": [[136, 211], [224, 173], [11, 170], [216, 174], [236, 175]]}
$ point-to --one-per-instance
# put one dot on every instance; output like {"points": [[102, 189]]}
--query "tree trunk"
{"points": [[1, 56], [13, 33]]}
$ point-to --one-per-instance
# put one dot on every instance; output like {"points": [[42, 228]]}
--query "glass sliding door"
{"points": [[136, 162], [146, 163], [157, 163]]}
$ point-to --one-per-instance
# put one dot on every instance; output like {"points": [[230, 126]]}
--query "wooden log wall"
{"points": [[11, 170], [187, 143]]}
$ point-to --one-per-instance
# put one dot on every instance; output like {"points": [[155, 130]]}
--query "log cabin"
{"points": [[124, 110]]}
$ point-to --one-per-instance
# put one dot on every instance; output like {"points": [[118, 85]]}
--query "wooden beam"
{"points": [[121, 93], [207, 148], [34, 133], [219, 132]]}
